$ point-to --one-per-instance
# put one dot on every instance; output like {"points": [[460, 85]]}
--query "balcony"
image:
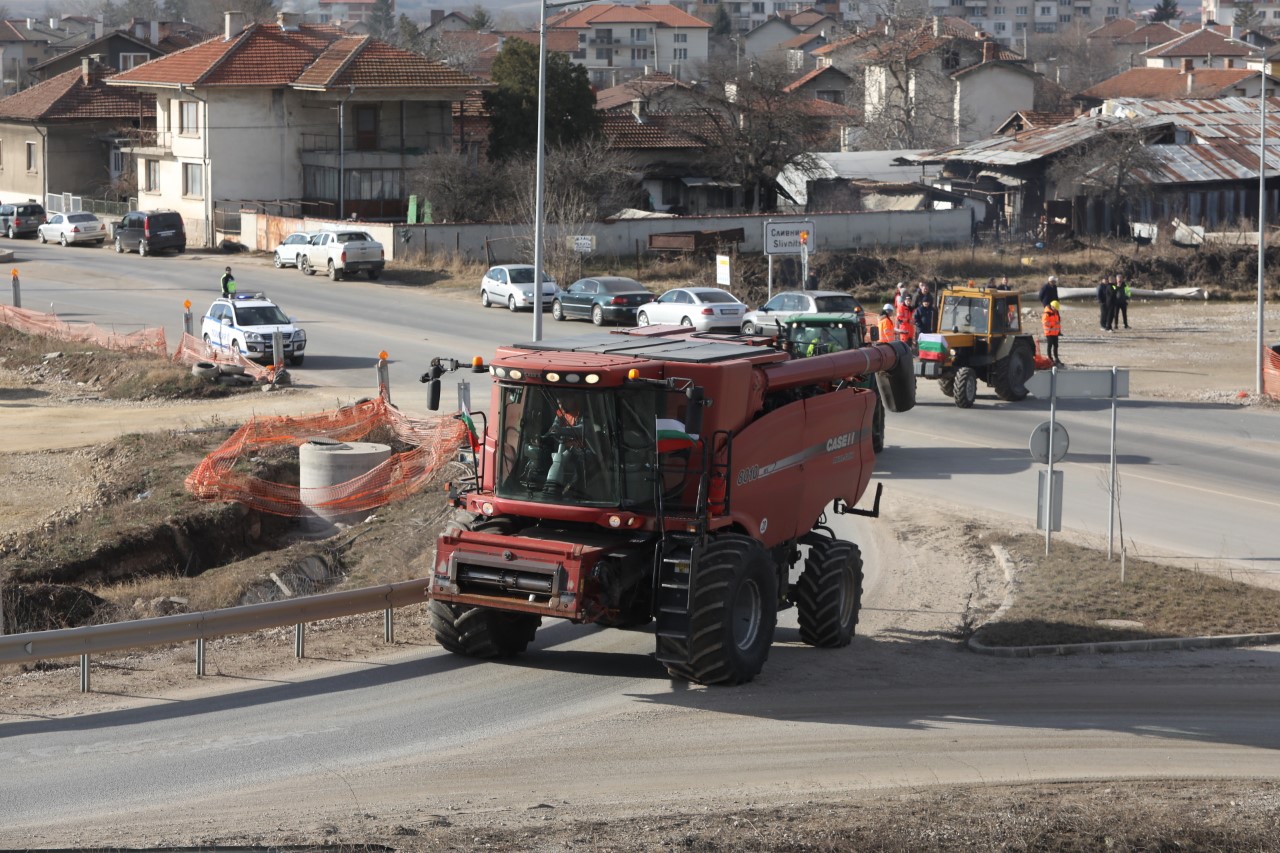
{"points": [[146, 142]]}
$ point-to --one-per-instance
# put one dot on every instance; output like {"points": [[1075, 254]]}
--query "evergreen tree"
{"points": [[382, 19], [722, 25], [1165, 10], [480, 18], [513, 104], [1246, 15], [410, 35]]}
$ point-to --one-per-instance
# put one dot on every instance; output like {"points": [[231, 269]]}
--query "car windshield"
{"points": [[621, 287], [260, 315], [353, 237], [82, 217], [714, 296], [524, 275], [837, 304], [577, 447]]}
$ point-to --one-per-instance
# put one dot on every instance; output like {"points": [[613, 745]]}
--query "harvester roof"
{"points": [[648, 343]]}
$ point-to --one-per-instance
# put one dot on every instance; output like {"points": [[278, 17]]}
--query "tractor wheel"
{"points": [[1009, 375], [732, 612], [966, 388], [947, 384], [481, 632], [877, 427], [829, 594]]}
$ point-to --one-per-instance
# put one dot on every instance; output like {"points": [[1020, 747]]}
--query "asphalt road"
{"points": [[588, 720]]}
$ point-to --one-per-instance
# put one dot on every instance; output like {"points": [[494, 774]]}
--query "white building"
{"points": [[617, 43], [1010, 20]]}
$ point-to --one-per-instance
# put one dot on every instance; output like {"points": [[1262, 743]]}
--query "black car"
{"points": [[605, 299], [21, 219], [151, 231]]}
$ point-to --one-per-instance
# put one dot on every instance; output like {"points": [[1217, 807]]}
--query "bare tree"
{"points": [[1073, 61], [1117, 166], [750, 129], [461, 191]]}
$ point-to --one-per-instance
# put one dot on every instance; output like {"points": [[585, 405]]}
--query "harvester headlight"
{"points": [[593, 378], [615, 521], [572, 377], [486, 508], [500, 372], [513, 373], [553, 377]]}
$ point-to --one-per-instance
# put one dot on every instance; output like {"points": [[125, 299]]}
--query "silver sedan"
{"points": [[80, 227]]}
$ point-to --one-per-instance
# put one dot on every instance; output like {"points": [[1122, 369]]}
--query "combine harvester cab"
{"points": [[660, 474]]}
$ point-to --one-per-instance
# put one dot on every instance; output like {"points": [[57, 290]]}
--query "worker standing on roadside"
{"points": [[228, 283], [1122, 292], [901, 296], [1106, 304], [1049, 291], [923, 314], [1052, 322], [906, 328], [886, 323]]}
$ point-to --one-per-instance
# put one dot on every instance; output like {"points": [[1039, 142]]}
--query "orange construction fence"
{"points": [[434, 442], [1271, 372], [192, 350], [35, 323]]}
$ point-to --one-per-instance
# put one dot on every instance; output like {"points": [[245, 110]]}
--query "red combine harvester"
{"points": [[668, 475]]}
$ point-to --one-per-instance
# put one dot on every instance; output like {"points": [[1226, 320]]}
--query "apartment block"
{"points": [[1010, 20]]}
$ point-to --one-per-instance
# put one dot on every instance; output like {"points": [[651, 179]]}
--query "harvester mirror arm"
{"points": [[439, 367], [697, 402]]}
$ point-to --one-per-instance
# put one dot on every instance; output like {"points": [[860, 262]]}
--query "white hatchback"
{"points": [[703, 308], [512, 285], [286, 254]]}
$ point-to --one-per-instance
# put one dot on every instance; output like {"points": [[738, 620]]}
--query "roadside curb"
{"points": [[1006, 563]]}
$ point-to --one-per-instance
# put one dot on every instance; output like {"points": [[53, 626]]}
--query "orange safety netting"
{"points": [[434, 442], [35, 323], [192, 350], [1271, 373]]}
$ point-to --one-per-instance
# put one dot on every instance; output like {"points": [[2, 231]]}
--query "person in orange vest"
{"points": [[1052, 322], [906, 328], [886, 324]]}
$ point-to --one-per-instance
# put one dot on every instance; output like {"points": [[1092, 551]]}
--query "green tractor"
{"points": [[817, 334], [978, 337]]}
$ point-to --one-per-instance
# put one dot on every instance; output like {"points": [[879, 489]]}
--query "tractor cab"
{"points": [[818, 334]]}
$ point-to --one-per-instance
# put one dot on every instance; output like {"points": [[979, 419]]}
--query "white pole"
{"points": [[1111, 515], [1262, 222], [1048, 480], [541, 160]]}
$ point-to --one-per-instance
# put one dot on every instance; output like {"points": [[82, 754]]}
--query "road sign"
{"points": [[1079, 383], [583, 244], [724, 276], [1049, 513], [783, 238], [1039, 444]]}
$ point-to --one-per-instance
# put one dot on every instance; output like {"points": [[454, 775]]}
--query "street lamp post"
{"points": [[1262, 222]]}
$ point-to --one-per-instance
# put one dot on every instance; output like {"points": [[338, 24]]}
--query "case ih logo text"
{"points": [[840, 442]]}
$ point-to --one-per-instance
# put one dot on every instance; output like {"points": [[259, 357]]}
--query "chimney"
{"points": [[289, 21], [436, 16], [1191, 81], [53, 23], [97, 28], [155, 32], [638, 110], [1187, 64], [989, 51], [235, 22], [937, 25]]}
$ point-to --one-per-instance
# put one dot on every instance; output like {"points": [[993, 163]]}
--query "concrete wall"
{"points": [[16, 183], [985, 98], [510, 243]]}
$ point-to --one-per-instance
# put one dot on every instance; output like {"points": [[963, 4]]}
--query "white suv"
{"points": [[244, 323]]}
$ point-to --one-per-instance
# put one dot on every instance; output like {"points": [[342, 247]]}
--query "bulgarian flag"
{"points": [[932, 347], [672, 436], [473, 438]]}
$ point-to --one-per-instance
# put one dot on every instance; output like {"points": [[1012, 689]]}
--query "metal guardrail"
{"points": [[209, 624]]}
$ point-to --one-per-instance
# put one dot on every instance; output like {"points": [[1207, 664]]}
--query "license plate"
{"points": [[166, 233]]}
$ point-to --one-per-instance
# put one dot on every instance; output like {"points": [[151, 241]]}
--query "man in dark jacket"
{"points": [[923, 315], [1106, 304], [1120, 290], [1049, 291]]}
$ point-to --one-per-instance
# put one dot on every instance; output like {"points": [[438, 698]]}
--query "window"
{"points": [[1046, 10], [680, 53], [119, 162], [582, 38], [1000, 26], [193, 180], [1082, 11], [188, 118], [757, 8], [133, 60], [1113, 11], [603, 53], [681, 38], [1064, 19], [951, 60], [957, 2], [639, 35], [375, 183], [1022, 10], [1021, 26], [366, 120], [639, 54], [1046, 28], [151, 176], [32, 161]]}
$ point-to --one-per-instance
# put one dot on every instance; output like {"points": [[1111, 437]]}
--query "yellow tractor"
{"points": [[978, 336]]}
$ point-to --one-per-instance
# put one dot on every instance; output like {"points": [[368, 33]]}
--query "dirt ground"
{"points": [[1176, 350]]}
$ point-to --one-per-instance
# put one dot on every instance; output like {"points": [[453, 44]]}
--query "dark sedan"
{"points": [[605, 299]]}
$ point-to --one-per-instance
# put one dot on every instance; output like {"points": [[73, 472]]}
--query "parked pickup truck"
{"points": [[342, 251]]}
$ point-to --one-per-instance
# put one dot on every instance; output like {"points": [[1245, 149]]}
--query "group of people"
{"points": [[1113, 309], [909, 312]]}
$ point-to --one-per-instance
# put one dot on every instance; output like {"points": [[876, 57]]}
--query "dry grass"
{"points": [[1062, 598]]}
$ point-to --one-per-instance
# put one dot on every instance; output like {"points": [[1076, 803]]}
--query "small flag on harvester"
{"points": [[672, 437], [473, 438]]}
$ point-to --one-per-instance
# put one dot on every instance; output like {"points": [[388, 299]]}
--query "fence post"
{"points": [[200, 657], [300, 640], [17, 290], [388, 627], [84, 673]]}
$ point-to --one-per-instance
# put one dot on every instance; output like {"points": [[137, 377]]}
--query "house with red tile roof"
{"points": [[617, 42], [1176, 84], [656, 92], [1204, 48], [291, 111], [59, 136], [828, 84]]}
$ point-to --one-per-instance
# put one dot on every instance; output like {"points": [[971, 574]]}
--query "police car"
{"points": [[245, 322]]}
